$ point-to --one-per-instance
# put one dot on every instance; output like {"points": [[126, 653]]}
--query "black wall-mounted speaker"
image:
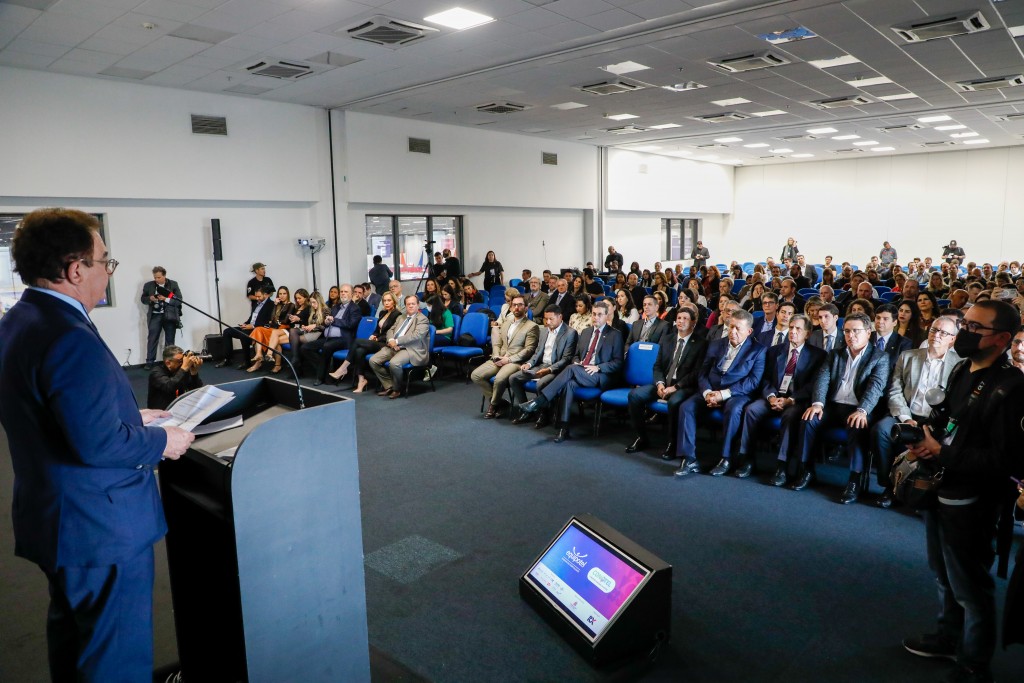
{"points": [[218, 250]]}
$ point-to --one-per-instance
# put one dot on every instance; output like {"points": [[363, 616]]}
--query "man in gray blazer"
{"points": [[555, 349], [536, 300], [916, 371], [514, 342], [649, 328], [408, 341], [163, 312]]}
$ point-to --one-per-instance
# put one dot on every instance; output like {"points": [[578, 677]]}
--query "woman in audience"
{"points": [[441, 318], [711, 280], [898, 280], [470, 295], [908, 323], [634, 267], [811, 308], [936, 286], [693, 284], [722, 301], [661, 285], [451, 301], [506, 308], [776, 284], [625, 308], [662, 303], [307, 324], [670, 279], [928, 306], [578, 287], [283, 307], [685, 296], [333, 296], [646, 279], [753, 302], [361, 348], [736, 272], [861, 306], [620, 282], [491, 270], [430, 288], [582, 319]]}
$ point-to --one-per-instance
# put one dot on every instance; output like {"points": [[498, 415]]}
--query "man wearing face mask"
{"points": [[979, 451]]}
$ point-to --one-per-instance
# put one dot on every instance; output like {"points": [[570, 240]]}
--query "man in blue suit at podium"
{"points": [[86, 506]]}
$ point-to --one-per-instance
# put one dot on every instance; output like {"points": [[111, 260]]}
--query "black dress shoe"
{"points": [[243, 366], [745, 470], [638, 445], [220, 364], [318, 382], [653, 418], [779, 478], [530, 406], [670, 452], [721, 469], [886, 500], [802, 481], [542, 422], [850, 494], [689, 466], [521, 418], [148, 366], [562, 435]]}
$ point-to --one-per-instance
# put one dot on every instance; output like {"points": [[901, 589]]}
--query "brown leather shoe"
{"points": [[492, 412]]}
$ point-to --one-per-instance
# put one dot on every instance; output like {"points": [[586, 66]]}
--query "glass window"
{"points": [[407, 243], [679, 235], [412, 243]]}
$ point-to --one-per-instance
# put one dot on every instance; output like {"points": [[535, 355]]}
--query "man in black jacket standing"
{"points": [[162, 313]]}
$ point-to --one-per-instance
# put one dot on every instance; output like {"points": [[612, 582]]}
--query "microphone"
{"points": [[298, 386]]}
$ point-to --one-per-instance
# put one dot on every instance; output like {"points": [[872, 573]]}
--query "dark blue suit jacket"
{"points": [[766, 338], [745, 373], [609, 352], [84, 490], [807, 366], [869, 385], [348, 322]]}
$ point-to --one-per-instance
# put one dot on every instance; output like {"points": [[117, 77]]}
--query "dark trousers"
{"points": [[517, 383], [241, 335], [100, 622], [732, 416], [835, 416], [759, 411], [565, 384], [638, 400], [361, 348], [320, 353], [960, 554], [156, 324]]}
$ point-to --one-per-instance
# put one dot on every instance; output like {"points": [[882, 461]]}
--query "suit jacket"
{"points": [[807, 365], [689, 362], [767, 338], [609, 354], [811, 273], [658, 328], [906, 376], [869, 384], [893, 348], [568, 304], [715, 333], [744, 375], [817, 339], [562, 354], [798, 301], [264, 316], [638, 293], [149, 289], [347, 322], [84, 490], [523, 343], [415, 340], [536, 304]]}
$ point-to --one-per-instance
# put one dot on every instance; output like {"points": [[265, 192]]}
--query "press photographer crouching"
{"points": [[977, 453], [179, 373]]}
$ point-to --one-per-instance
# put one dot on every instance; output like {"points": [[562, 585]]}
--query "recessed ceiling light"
{"points": [[624, 68], [682, 87], [821, 131], [620, 117], [975, 141], [867, 82], [935, 119], [803, 155], [865, 143], [781, 150], [882, 149], [845, 137], [724, 140], [1016, 31], [568, 105], [459, 19], [770, 112], [755, 145], [968, 134], [952, 126], [835, 61], [730, 102], [664, 126], [900, 96]]}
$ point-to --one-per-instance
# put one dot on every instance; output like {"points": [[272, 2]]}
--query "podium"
{"points": [[265, 549]]}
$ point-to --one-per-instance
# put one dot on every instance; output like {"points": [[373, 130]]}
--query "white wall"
{"points": [[637, 234], [126, 151], [849, 207], [637, 181]]}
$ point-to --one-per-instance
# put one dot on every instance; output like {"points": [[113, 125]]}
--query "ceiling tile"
{"points": [[62, 29], [168, 9], [109, 45], [656, 9], [535, 18], [577, 9], [12, 58], [35, 48]]}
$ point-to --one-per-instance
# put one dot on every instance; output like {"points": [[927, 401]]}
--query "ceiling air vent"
{"points": [[419, 145], [942, 27], [852, 150], [713, 145], [724, 117], [790, 138], [938, 143], [900, 127], [625, 130], [279, 68], [549, 158], [837, 102], [502, 107], [991, 83], [611, 87], [748, 62], [1009, 117], [209, 125], [381, 30]]}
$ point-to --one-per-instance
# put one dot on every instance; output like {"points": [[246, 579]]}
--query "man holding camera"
{"points": [[162, 313], [979, 451], [179, 373]]}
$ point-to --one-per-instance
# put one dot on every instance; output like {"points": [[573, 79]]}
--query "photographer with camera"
{"points": [[978, 449], [178, 374], [162, 313]]}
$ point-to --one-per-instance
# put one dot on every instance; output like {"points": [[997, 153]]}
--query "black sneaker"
{"points": [[931, 645]]}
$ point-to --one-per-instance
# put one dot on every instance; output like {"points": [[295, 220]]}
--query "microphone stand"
{"points": [[284, 356]]}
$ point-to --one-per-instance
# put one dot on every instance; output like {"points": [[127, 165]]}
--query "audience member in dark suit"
{"points": [[555, 349], [339, 333], [649, 328], [636, 290], [788, 293], [162, 312], [809, 271], [87, 510], [828, 336], [362, 348], [886, 339], [778, 335], [731, 372], [177, 375], [260, 317], [675, 379], [846, 390], [562, 298], [597, 361], [789, 374], [721, 329], [359, 299]]}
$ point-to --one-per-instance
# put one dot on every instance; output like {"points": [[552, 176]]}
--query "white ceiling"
{"points": [[538, 51]]}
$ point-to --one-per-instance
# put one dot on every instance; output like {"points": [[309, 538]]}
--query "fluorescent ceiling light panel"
{"points": [[882, 149], [1016, 31], [682, 87], [803, 155], [976, 141], [781, 150], [459, 18], [624, 68], [867, 82], [664, 126], [845, 137], [900, 96], [564, 106], [770, 112], [755, 145], [952, 126], [935, 119], [724, 140], [865, 143], [621, 117], [835, 61], [968, 134], [730, 102], [821, 131]]}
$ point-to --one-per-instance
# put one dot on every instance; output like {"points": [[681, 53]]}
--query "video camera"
{"points": [[907, 435]]}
